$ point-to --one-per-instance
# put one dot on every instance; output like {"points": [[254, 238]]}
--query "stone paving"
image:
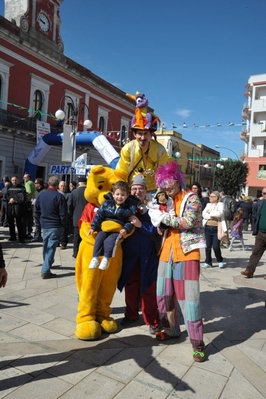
{"points": [[41, 358]]}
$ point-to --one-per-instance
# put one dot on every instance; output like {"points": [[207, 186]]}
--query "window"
{"points": [[103, 116], [39, 97], [4, 81], [101, 124], [37, 105]]}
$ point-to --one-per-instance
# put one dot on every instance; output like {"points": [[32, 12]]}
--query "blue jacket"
{"points": [[109, 211], [51, 209], [140, 247]]}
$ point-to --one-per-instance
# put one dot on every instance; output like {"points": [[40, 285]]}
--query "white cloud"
{"points": [[185, 113]]}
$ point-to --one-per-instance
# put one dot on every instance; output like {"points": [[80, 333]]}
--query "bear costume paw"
{"points": [[88, 330]]}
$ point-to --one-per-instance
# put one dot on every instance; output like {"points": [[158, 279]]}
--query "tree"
{"points": [[232, 177]]}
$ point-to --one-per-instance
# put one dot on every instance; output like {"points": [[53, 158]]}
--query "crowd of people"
{"points": [[167, 222], [33, 210]]}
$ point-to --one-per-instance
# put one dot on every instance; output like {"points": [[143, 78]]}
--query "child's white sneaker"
{"points": [[104, 264], [93, 263]]}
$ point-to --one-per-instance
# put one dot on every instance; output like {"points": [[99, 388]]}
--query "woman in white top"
{"points": [[212, 213]]}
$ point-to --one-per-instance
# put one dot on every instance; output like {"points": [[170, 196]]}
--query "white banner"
{"points": [[42, 128], [80, 164]]}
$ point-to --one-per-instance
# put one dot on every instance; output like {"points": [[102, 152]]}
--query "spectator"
{"points": [[260, 241], [76, 203], [237, 229], [205, 199], [51, 208], [72, 185], [246, 205], [254, 213], [211, 214], [196, 188], [62, 188], [16, 208], [39, 184], [230, 207], [30, 191], [4, 220]]}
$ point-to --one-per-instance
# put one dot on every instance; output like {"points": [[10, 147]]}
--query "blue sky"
{"points": [[191, 58]]}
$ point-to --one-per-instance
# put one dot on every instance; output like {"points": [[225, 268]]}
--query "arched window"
{"points": [[37, 104], [102, 124]]}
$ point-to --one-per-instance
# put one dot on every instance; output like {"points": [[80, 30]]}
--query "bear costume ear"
{"points": [[97, 169]]}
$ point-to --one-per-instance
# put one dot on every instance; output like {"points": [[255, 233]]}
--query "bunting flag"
{"points": [[196, 158], [207, 125], [35, 112]]}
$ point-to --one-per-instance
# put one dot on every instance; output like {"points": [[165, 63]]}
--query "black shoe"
{"points": [[127, 321], [12, 239], [28, 236], [36, 240], [45, 276], [22, 241]]}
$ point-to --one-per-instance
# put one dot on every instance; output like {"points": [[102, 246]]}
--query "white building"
{"points": [[254, 133]]}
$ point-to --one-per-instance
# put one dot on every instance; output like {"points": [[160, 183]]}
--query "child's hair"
{"points": [[121, 185], [238, 215]]}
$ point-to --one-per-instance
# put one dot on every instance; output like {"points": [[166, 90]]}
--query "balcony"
{"points": [[244, 136], [259, 105], [246, 107], [18, 122]]}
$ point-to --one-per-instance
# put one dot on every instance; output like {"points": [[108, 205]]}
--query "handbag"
{"points": [[221, 234]]}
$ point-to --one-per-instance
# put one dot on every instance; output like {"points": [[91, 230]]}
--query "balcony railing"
{"points": [[17, 121]]}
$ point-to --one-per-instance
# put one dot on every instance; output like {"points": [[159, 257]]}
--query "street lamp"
{"points": [[73, 111], [218, 166], [229, 149]]}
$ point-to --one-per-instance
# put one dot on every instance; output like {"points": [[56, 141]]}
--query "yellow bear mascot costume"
{"points": [[96, 287]]}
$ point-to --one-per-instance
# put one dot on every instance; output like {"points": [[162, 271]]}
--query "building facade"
{"points": [[36, 79], [254, 134]]}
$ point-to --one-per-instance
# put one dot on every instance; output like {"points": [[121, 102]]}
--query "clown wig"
{"points": [[168, 174]]}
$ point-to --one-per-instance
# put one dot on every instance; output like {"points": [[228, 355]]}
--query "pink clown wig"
{"points": [[167, 174]]}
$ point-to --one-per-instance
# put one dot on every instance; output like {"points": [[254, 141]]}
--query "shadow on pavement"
{"points": [[76, 361]]}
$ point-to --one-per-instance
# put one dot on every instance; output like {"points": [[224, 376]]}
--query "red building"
{"points": [[36, 79]]}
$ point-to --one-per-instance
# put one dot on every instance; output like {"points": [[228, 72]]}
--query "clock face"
{"points": [[43, 22]]}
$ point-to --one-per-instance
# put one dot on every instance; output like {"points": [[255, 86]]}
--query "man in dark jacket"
{"points": [[51, 208], [260, 241], [16, 208], [247, 209], [4, 220], [76, 203]]}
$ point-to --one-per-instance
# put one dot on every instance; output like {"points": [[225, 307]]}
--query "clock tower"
{"points": [[37, 17]]}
